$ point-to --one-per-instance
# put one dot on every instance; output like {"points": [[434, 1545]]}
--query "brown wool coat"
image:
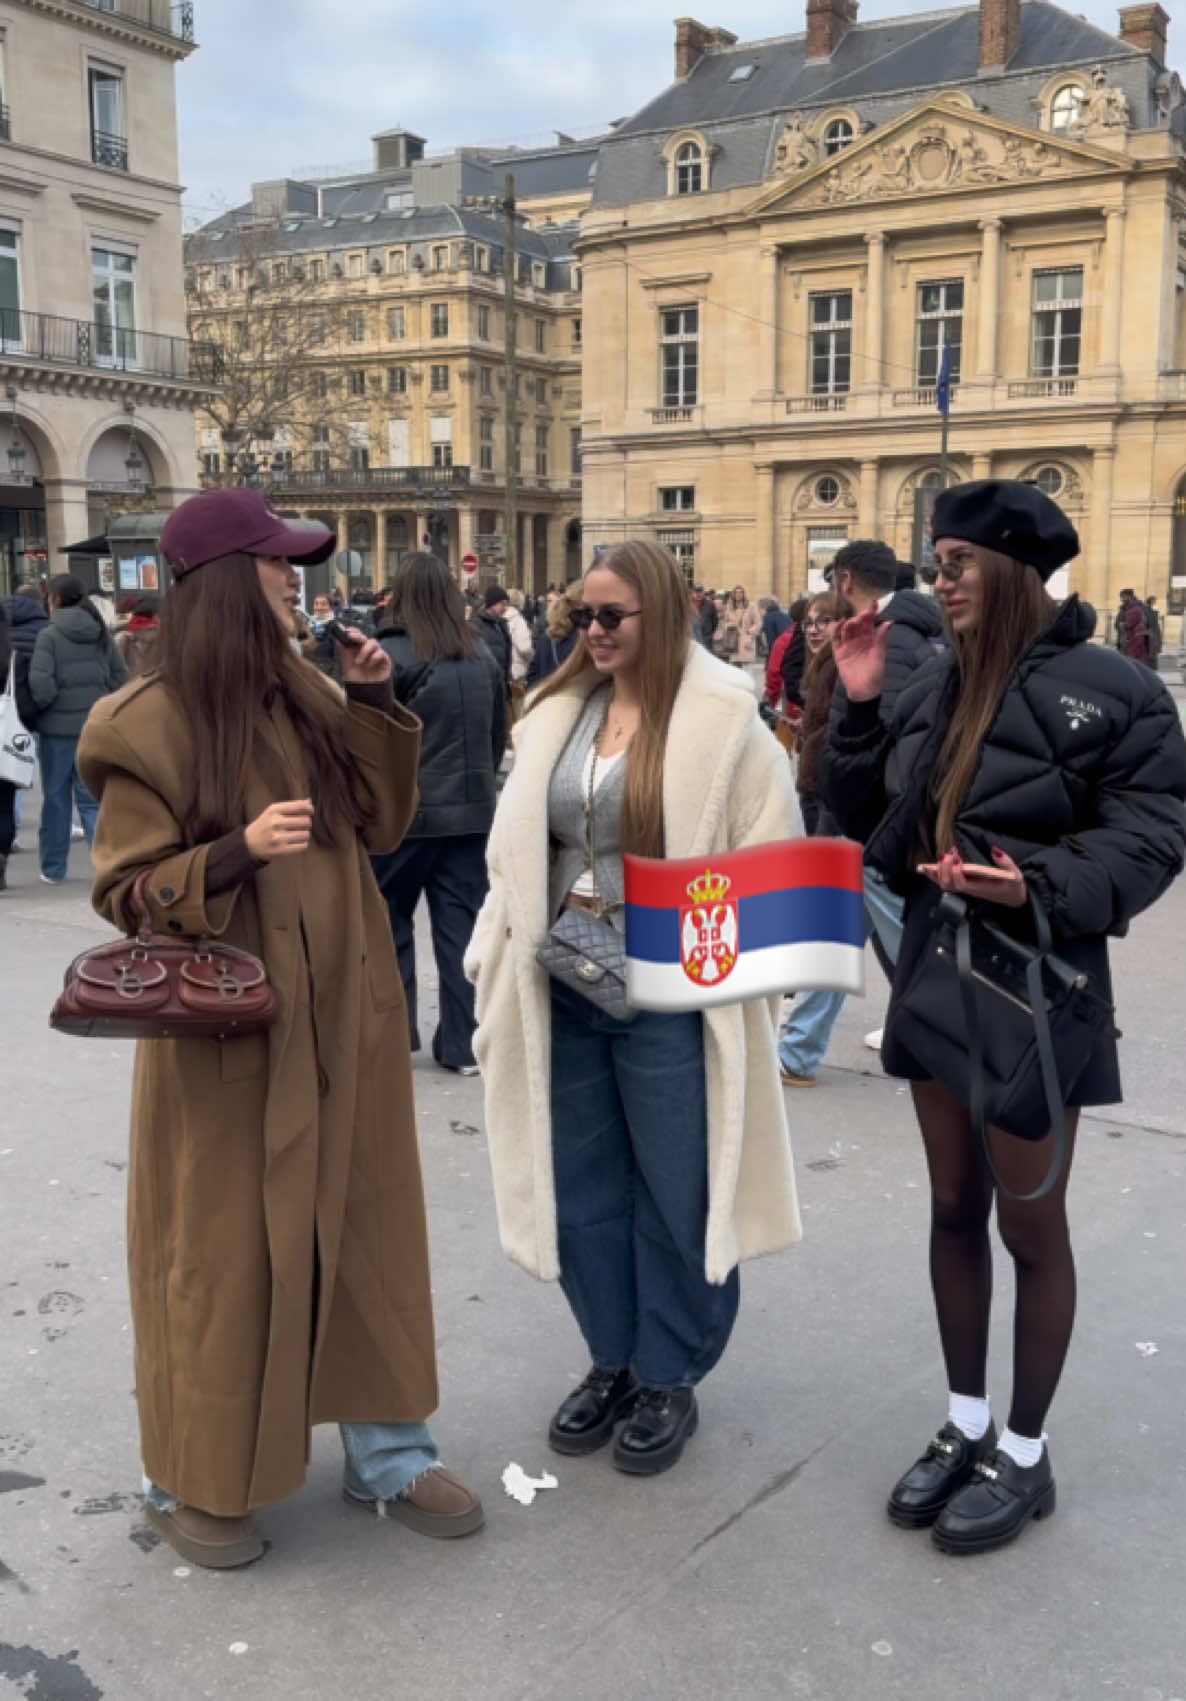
{"points": [[276, 1236]]}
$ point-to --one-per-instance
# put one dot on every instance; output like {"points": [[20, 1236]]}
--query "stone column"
{"points": [[868, 499], [764, 565], [990, 299], [1113, 290], [66, 521], [982, 466], [768, 326], [382, 516], [1092, 579], [875, 311], [342, 527]]}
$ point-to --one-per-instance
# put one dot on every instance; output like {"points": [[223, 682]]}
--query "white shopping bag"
{"points": [[18, 758]]}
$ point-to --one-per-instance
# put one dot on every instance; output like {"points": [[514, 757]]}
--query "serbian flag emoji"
{"points": [[750, 924]]}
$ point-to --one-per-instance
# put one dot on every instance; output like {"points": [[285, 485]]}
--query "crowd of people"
{"points": [[295, 787]]}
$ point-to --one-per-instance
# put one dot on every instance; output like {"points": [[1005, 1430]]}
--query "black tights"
{"points": [[7, 817], [1035, 1236]]}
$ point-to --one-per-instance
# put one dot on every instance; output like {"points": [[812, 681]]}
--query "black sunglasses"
{"points": [[609, 619]]}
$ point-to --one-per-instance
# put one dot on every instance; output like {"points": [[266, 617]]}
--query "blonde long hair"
{"points": [[560, 619], [654, 576]]}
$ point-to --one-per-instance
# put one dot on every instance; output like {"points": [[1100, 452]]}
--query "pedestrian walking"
{"points": [[1024, 767], [490, 626], [27, 617], [277, 1244], [452, 684], [1156, 635], [807, 1030], [137, 638], [8, 789], [636, 1157], [775, 621], [74, 664], [742, 623], [1132, 628], [561, 635], [704, 616]]}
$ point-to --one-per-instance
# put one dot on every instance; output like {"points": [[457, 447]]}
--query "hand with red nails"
{"points": [[1003, 883]]}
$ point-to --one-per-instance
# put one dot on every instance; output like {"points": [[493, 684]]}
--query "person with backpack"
{"points": [[1039, 779], [75, 662]]}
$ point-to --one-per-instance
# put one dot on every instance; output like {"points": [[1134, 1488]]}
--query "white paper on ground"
{"points": [[523, 1488]]}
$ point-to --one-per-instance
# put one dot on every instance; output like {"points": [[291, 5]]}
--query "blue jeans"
{"points": [[60, 783], [806, 1034], [883, 912], [382, 1460], [630, 1153]]}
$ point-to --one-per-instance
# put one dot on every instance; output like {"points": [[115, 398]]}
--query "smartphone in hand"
{"points": [[342, 635]]}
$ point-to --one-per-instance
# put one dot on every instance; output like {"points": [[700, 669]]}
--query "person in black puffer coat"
{"points": [[1024, 763], [454, 686], [489, 624]]}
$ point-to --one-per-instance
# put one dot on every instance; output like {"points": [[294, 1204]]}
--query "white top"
{"points": [[584, 886]]}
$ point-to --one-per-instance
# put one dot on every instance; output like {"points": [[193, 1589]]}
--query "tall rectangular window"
{"points": [[397, 324], [486, 380], [486, 445], [677, 498], [397, 381], [442, 455], [358, 382], [683, 546], [440, 259], [940, 326], [541, 336], [484, 324], [113, 287], [574, 450], [679, 342], [831, 343], [10, 288], [576, 332], [356, 328], [440, 432], [541, 392], [518, 448], [439, 323], [1057, 323], [439, 380], [359, 436], [109, 140], [320, 450], [541, 451]]}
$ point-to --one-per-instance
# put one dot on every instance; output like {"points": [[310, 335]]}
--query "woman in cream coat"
{"points": [[638, 1161]]}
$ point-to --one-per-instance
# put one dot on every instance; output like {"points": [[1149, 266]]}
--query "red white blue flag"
{"points": [[720, 930]]}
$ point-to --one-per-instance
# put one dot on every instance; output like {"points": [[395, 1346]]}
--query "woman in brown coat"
{"points": [[277, 1245]]}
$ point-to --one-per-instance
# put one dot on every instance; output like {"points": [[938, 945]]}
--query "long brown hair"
{"points": [[427, 602], [662, 591], [222, 654], [835, 606], [1015, 610]]}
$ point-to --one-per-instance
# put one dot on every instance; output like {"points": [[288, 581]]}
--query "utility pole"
{"points": [[510, 266]]}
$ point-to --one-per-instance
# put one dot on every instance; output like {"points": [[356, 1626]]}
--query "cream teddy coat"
{"points": [[727, 783]]}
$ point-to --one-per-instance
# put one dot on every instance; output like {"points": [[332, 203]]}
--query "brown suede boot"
{"points": [[437, 1504], [219, 1544]]}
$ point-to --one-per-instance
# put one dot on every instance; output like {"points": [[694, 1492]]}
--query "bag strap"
{"points": [[1047, 1063]]}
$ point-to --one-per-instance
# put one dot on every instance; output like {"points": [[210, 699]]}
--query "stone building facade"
{"points": [[781, 246], [364, 321], [98, 380]]}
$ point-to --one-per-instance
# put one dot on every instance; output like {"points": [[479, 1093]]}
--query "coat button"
{"points": [[166, 894]]}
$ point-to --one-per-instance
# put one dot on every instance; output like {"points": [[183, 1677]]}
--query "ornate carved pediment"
{"points": [[939, 148]]}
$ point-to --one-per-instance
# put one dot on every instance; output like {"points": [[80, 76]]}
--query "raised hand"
{"points": [[283, 829], [859, 647], [366, 663]]}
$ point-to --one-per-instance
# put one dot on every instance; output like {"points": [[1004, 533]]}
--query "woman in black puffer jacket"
{"points": [[450, 680], [1024, 762]]}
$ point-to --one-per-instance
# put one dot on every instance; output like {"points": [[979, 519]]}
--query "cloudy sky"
{"points": [[283, 85]]}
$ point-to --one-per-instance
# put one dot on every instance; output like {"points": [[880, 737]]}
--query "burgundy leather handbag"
{"points": [[152, 986]]}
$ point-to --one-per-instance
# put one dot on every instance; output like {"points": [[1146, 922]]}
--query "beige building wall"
{"points": [[80, 397], [781, 475]]}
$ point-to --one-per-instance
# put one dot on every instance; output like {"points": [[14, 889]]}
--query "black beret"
{"points": [[1010, 517]]}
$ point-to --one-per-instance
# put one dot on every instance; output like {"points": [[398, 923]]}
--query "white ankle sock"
{"points": [[1024, 1450], [969, 1414]]}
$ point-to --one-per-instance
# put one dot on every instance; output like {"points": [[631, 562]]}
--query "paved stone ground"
{"points": [[762, 1567]]}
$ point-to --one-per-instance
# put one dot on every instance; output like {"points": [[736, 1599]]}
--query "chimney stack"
{"points": [[692, 42], [1000, 33], [827, 25], [1145, 28]]}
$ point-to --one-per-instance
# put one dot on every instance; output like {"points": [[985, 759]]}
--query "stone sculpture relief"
{"points": [[797, 151], [1105, 108], [936, 159]]}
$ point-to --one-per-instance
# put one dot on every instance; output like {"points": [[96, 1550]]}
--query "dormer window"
{"points": [[689, 169], [838, 135], [1066, 106]]}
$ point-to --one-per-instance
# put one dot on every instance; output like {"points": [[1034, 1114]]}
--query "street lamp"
{"points": [[16, 447], [134, 461], [232, 439]]}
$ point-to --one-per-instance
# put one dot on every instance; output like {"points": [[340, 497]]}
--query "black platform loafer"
{"points": [[996, 1505], [948, 1463], [662, 1423], [585, 1421]]}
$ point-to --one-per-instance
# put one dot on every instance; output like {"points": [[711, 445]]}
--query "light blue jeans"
{"points": [[806, 1033], [382, 1460], [883, 912]]}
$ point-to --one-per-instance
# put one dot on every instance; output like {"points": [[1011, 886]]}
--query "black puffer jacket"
{"points": [[462, 705], [1081, 779], [494, 632], [918, 635]]}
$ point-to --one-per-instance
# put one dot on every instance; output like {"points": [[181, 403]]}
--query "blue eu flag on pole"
{"points": [[943, 387]]}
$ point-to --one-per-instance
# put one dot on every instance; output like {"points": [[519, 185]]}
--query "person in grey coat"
{"points": [[74, 662]]}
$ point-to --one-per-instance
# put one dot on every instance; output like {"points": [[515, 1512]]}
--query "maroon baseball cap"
{"points": [[239, 521]]}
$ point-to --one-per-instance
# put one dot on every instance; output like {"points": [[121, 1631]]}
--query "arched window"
{"points": [[827, 491], [1050, 481], [837, 136], [689, 169], [1066, 106]]}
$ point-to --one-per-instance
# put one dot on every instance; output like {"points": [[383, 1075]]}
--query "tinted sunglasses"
{"points": [[609, 619], [952, 571]]}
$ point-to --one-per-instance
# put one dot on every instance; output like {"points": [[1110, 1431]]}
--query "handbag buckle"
{"points": [[588, 970]]}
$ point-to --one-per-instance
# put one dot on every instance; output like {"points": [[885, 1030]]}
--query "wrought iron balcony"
{"points": [[45, 338], [108, 150], [174, 20], [434, 481]]}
